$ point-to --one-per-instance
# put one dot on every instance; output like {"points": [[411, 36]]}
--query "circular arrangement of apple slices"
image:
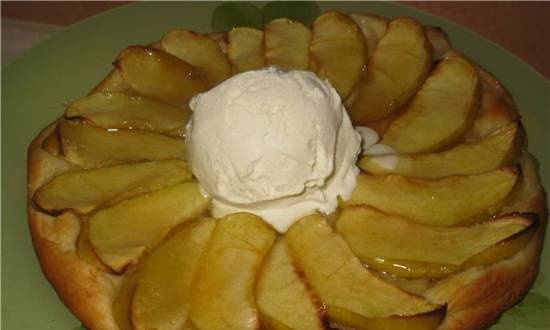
{"points": [[445, 237]]}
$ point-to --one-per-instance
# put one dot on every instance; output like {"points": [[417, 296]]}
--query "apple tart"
{"points": [[444, 234]]}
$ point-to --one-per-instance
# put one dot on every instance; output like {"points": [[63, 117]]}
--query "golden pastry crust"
{"points": [[475, 298], [88, 292]]}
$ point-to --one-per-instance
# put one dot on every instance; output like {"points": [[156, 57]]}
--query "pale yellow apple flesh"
{"points": [[373, 28], [159, 75], [442, 110], [283, 298], [91, 147], [162, 295], [395, 72], [444, 202], [488, 154], [122, 233], [246, 49], [84, 191], [354, 296], [200, 51], [335, 37], [372, 234], [287, 44], [118, 110], [114, 82], [222, 297]]}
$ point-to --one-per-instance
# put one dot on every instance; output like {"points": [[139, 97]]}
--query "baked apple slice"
{"points": [[159, 75], [162, 295], [442, 110], [373, 28], [336, 37], [287, 44], [118, 110], [91, 147], [246, 49], [199, 51], [84, 191], [121, 233], [283, 298], [222, 297], [374, 235], [440, 42], [395, 72], [353, 296], [487, 154], [444, 202], [114, 82]]}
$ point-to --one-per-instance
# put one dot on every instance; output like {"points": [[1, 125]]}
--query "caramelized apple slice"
{"points": [[162, 295], [159, 75], [283, 299], [373, 235], [199, 51], [114, 82], [222, 297], [85, 251], [92, 147], [373, 28], [439, 41], [84, 191], [122, 233], [488, 154], [246, 49], [118, 110], [338, 50], [287, 44], [441, 202], [353, 295], [395, 72], [440, 113]]}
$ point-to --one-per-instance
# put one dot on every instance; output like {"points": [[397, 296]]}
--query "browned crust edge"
{"points": [[87, 292]]}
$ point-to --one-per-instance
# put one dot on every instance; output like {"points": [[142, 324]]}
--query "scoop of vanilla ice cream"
{"points": [[276, 144]]}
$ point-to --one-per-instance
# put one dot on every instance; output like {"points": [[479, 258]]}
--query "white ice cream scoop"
{"points": [[277, 144]]}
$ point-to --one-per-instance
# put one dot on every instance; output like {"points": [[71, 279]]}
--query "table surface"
{"points": [[521, 27]]}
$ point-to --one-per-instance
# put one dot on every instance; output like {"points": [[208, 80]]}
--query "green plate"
{"points": [[37, 86]]}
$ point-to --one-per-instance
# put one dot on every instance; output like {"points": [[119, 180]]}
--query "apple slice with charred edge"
{"points": [[488, 154], [122, 233], [283, 298], [373, 28], [222, 296], [395, 72], [287, 44], [374, 235], [118, 110], [199, 51], [246, 49], [354, 296], [442, 110], [338, 51], [444, 202], [159, 75], [91, 147], [162, 295], [84, 191]]}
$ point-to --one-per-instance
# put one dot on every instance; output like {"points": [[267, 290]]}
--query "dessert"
{"points": [[136, 195]]}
